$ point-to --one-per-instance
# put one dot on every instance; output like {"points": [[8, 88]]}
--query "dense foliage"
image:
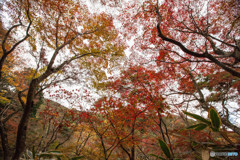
{"points": [[167, 74]]}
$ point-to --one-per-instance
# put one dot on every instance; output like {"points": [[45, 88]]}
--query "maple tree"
{"points": [[189, 57], [220, 46], [189, 42], [203, 28], [54, 35], [114, 128], [102, 132], [53, 124], [82, 138], [137, 104], [134, 97], [137, 86], [192, 31]]}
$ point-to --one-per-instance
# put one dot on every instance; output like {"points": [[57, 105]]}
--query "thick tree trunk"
{"points": [[4, 139], [22, 127]]}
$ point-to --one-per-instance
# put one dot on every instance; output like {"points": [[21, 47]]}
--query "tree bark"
{"points": [[1, 64], [22, 127], [227, 123], [205, 106], [132, 153], [4, 139]]}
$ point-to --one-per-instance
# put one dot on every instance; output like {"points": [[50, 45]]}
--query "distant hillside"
{"points": [[38, 128]]}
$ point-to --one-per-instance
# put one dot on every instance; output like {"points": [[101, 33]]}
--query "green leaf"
{"points": [[215, 119], [201, 126], [198, 127], [76, 158], [158, 157], [165, 148], [33, 152], [197, 117], [214, 129], [54, 152], [192, 127]]}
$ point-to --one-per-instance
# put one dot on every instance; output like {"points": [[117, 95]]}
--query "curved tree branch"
{"points": [[192, 53]]}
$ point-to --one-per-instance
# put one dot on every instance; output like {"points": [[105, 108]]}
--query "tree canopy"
{"points": [[153, 64]]}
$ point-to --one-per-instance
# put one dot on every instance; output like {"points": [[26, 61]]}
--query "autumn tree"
{"points": [[132, 99], [139, 110], [202, 31], [59, 37], [203, 27], [83, 134], [189, 42], [194, 46], [102, 131], [56, 122]]}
